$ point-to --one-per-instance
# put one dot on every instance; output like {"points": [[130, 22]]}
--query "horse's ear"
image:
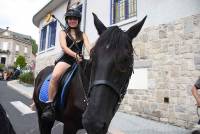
{"points": [[98, 24], [134, 30]]}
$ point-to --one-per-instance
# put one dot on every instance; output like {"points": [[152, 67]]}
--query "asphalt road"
{"points": [[24, 121]]}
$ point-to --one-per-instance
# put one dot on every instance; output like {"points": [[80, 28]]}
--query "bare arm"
{"points": [[196, 95], [63, 45], [86, 42]]}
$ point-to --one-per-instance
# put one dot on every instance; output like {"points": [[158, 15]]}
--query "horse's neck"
{"points": [[84, 74]]}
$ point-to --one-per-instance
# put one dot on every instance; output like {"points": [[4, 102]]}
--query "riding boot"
{"points": [[49, 112]]}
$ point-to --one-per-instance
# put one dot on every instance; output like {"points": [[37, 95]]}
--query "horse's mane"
{"points": [[115, 38], [115, 41]]}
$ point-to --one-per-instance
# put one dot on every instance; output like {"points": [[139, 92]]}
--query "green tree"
{"points": [[34, 47], [20, 61]]}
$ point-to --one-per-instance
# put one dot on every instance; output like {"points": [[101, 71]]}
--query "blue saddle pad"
{"points": [[43, 95]]}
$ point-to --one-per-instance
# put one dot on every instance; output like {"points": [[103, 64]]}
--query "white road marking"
{"points": [[23, 108]]}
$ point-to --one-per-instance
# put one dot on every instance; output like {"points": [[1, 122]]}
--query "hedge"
{"points": [[27, 78]]}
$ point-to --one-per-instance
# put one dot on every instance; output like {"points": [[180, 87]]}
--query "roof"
{"points": [[53, 4], [16, 36]]}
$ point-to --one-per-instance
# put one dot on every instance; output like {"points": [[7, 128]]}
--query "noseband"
{"points": [[120, 91]]}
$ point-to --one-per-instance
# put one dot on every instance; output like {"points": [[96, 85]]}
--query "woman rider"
{"points": [[71, 55]]}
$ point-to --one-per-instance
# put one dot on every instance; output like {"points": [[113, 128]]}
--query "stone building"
{"points": [[167, 60], [13, 44], [170, 54]]}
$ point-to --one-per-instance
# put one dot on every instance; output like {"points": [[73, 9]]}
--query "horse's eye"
{"points": [[122, 64]]}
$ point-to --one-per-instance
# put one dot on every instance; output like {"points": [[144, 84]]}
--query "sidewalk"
{"points": [[122, 123], [24, 90]]}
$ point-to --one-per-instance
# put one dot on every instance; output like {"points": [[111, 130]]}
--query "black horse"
{"points": [[98, 85]]}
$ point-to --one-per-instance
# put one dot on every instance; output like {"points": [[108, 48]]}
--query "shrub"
{"points": [[27, 78], [2, 66]]}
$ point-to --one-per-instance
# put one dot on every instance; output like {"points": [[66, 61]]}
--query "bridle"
{"points": [[119, 90]]}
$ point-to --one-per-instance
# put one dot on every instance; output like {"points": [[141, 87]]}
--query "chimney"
{"points": [[7, 28]]}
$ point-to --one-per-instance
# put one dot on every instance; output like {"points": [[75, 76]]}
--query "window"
{"points": [[5, 46], [122, 10], [17, 48], [43, 38], [25, 50], [52, 34]]}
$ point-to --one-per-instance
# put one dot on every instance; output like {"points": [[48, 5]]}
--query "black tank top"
{"points": [[77, 47]]}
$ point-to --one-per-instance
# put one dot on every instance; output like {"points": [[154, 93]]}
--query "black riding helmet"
{"points": [[73, 13]]}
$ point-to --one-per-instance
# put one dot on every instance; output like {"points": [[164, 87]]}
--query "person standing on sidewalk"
{"points": [[195, 88]]}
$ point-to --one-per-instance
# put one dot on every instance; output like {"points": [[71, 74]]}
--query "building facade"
{"points": [[13, 44], [167, 60]]}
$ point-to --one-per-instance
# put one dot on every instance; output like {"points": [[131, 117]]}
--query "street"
{"points": [[24, 120]]}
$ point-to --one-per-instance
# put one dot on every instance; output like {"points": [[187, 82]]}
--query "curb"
{"points": [[14, 84]]}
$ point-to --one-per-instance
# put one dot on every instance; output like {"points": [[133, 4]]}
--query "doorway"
{"points": [[3, 60]]}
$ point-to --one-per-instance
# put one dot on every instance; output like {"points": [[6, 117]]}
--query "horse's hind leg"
{"points": [[45, 126]]}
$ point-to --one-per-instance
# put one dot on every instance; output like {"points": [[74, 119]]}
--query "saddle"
{"points": [[63, 89]]}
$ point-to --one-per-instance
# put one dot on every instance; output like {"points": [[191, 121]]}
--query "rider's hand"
{"points": [[79, 58]]}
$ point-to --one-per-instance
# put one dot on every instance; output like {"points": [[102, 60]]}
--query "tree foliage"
{"points": [[34, 46], [20, 61]]}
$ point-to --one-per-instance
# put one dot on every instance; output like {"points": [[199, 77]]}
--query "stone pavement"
{"points": [[122, 123]]}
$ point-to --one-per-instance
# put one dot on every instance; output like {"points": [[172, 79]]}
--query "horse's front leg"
{"points": [[71, 127], [45, 126]]}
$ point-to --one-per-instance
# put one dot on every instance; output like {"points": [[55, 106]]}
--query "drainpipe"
{"points": [[85, 10]]}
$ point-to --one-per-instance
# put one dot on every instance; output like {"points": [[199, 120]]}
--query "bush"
{"points": [[2, 66], [27, 78]]}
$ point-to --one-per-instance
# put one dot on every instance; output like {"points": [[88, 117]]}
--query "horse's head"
{"points": [[112, 66]]}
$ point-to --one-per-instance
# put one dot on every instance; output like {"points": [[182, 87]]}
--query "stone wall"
{"points": [[171, 53]]}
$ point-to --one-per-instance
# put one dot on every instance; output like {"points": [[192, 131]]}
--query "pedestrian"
{"points": [[5, 125], [71, 41], [195, 88]]}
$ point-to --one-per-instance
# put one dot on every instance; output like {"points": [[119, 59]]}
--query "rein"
{"points": [[83, 87]]}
